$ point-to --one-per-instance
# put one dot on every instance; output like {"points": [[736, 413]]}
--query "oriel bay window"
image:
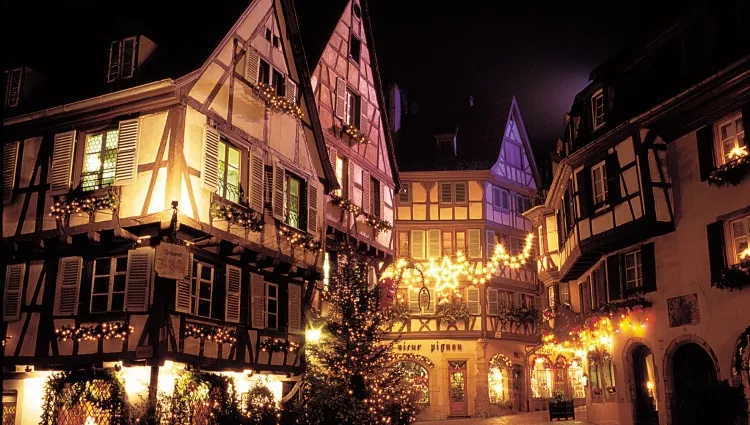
{"points": [[108, 284], [100, 159], [229, 172]]}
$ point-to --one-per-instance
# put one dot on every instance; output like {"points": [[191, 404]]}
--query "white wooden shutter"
{"points": [[279, 191], [128, 57], [493, 304], [252, 62], [460, 192], [366, 191], [433, 298], [446, 197], [232, 303], [257, 301], [183, 291], [138, 279], [417, 244], [295, 308], [490, 236], [115, 51], [68, 281], [10, 159], [350, 180], [12, 295], [14, 91], [433, 243], [62, 162], [472, 299], [383, 188], [210, 164], [332, 154], [340, 98], [414, 299], [290, 91], [126, 168], [256, 180], [475, 243], [363, 112], [312, 207]]}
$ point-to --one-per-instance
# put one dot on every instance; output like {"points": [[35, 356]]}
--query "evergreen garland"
{"points": [[68, 388], [452, 312], [216, 391], [732, 172], [247, 219], [77, 201], [732, 278], [354, 133]]}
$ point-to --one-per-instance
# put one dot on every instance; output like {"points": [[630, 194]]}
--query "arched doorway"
{"points": [[693, 372], [645, 404]]}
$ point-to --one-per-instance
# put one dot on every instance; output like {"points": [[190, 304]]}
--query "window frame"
{"points": [[222, 189], [350, 54], [598, 120], [266, 300], [343, 179], [113, 272], [719, 140], [104, 132], [566, 298], [375, 201], [302, 201], [278, 82], [352, 118], [598, 203], [637, 270], [732, 245], [406, 189], [195, 280], [502, 201]]}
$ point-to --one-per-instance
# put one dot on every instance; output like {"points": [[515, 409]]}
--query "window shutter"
{"points": [[363, 111], [472, 299], [648, 267], [14, 91], [366, 192], [746, 119], [493, 303], [475, 243], [256, 180], [350, 180], [290, 91], [126, 167], [706, 160], [257, 301], [460, 192], [252, 62], [404, 197], [382, 200], [10, 160], [128, 57], [114, 60], [340, 98], [210, 170], [312, 207], [417, 245], [716, 249], [585, 196], [62, 162], [183, 295], [446, 197], [68, 281], [295, 308], [613, 277], [612, 164], [12, 295], [232, 304], [332, 154], [279, 192], [138, 279], [433, 243], [490, 235], [414, 299]]}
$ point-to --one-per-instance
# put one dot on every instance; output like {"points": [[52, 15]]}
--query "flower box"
{"points": [[561, 410]]}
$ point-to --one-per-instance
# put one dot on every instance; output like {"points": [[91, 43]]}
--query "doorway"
{"points": [[645, 404], [517, 380], [693, 372], [457, 388]]}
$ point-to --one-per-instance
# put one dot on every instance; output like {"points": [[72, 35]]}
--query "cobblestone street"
{"points": [[533, 418]]}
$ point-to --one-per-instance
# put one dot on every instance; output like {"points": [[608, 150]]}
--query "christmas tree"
{"points": [[352, 376]]}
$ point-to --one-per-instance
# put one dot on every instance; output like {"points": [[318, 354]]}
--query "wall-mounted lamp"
{"points": [[29, 369], [118, 366]]}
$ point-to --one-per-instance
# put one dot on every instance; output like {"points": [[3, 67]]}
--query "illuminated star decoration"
{"points": [[445, 276]]}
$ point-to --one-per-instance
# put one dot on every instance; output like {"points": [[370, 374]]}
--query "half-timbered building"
{"points": [[163, 208], [643, 236], [467, 177]]}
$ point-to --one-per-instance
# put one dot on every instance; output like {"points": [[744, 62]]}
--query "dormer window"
{"points": [[122, 59], [446, 144], [12, 87], [597, 108]]}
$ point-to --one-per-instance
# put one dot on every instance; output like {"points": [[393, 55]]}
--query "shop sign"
{"points": [[172, 261], [437, 347]]}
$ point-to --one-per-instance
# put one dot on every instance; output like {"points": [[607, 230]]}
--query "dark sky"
{"points": [[541, 52]]}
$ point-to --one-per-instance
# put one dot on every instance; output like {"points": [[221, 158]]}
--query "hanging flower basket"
{"points": [[246, 218], [354, 133], [376, 223], [295, 238], [452, 312], [731, 173], [346, 205], [732, 278], [276, 102]]}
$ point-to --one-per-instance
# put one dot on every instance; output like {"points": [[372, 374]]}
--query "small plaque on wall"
{"points": [[683, 310]]}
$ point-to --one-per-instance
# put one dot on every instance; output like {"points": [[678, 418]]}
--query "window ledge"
{"points": [[730, 173]]}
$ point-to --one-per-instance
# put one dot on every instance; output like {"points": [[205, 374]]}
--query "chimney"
{"points": [[395, 108], [471, 101]]}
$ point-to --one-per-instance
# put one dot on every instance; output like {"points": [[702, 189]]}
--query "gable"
{"points": [[516, 161]]}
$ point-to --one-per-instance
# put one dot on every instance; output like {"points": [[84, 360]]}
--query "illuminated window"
{"points": [[342, 175], [461, 242], [564, 289], [541, 378], [633, 270], [551, 296], [448, 243], [294, 201], [608, 371], [352, 108], [597, 108], [575, 379], [99, 160], [599, 183], [498, 378], [202, 288], [9, 407], [594, 379], [108, 284], [403, 244], [272, 305], [229, 172], [731, 138], [418, 377], [740, 229]]}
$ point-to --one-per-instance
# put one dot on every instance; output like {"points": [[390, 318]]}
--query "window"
{"points": [[608, 370], [460, 192], [740, 231], [268, 34], [202, 288], [278, 83], [541, 378], [352, 109], [633, 270], [564, 289], [417, 376], [403, 243], [551, 297], [732, 139], [448, 243], [375, 197], [355, 47], [294, 201], [122, 59], [404, 197], [272, 305], [264, 72], [277, 42], [12, 87], [594, 379], [500, 198], [498, 378], [597, 108], [461, 241], [446, 145], [599, 183], [342, 176], [108, 284], [229, 172], [521, 204], [513, 154], [356, 10], [99, 160], [575, 379], [561, 375]]}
